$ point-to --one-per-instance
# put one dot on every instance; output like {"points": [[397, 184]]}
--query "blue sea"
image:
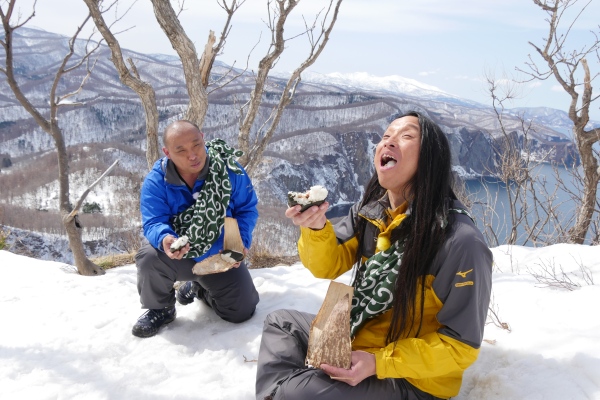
{"points": [[555, 190]]}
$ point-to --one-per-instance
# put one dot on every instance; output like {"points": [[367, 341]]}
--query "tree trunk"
{"points": [[591, 177], [131, 78], [147, 96], [168, 21], [83, 264]]}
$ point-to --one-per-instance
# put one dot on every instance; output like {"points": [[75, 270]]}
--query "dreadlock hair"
{"points": [[430, 190]]}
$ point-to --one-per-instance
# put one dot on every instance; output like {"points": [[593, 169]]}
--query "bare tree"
{"points": [[253, 147], [513, 169], [533, 203], [130, 77], [196, 77], [571, 70], [51, 126], [197, 69]]}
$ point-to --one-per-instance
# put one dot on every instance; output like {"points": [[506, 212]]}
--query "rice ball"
{"points": [[313, 197]]}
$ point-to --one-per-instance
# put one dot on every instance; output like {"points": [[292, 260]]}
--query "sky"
{"points": [[452, 45], [67, 336]]}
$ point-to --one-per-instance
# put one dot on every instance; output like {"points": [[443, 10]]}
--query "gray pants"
{"points": [[281, 373], [231, 294]]}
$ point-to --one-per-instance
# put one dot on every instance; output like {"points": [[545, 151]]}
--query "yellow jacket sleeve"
{"points": [[431, 355], [323, 255]]}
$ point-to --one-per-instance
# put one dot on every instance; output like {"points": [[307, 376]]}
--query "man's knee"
{"points": [[279, 318], [306, 384], [244, 308], [231, 294]]}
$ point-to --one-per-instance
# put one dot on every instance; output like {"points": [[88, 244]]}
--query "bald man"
{"points": [[201, 179]]}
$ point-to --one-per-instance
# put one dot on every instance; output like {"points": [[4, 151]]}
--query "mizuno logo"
{"points": [[464, 274]]}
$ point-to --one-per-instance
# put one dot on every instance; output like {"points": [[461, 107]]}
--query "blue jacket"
{"points": [[165, 194]]}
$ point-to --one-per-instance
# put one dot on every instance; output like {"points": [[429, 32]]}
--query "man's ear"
{"points": [[166, 151]]}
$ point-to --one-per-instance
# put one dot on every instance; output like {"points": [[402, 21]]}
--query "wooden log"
{"points": [[233, 251], [329, 338], [233, 238]]}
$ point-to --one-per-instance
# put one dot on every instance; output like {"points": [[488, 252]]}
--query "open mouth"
{"points": [[388, 161]]}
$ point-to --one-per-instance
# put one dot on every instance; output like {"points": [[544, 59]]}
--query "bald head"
{"points": [[179, 127], [184, 145]]}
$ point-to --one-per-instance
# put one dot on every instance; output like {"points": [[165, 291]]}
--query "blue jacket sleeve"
{"points": [[156, 214], [243, 205]]}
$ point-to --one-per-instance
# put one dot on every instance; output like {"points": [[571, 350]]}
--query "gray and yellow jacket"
{"points": [[457, 296]]}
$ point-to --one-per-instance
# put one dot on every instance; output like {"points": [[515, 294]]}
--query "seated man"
{"points": [[422, 278], [190, 192]]}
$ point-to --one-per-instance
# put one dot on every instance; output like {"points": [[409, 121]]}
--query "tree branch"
{"points": [[264, 66], [317, 46], [9, 66], [81, 199], [131, 79]]}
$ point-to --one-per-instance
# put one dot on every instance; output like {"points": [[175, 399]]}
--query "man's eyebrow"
{"points": [[413, 125], [193, 141]]}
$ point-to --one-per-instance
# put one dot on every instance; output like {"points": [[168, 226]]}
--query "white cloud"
{"points": [[468, 78], [428, 73]]}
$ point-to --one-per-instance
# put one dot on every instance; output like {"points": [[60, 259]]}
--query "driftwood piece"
{"points": [[233, 252], [329, 339], [233, 239]]}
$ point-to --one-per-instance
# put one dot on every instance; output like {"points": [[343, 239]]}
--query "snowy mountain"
{"points": [[326, 136], [392, 84], [550, 117]]}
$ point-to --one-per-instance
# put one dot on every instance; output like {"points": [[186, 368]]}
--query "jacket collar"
{"points": [[376, 209], [173, 177]]}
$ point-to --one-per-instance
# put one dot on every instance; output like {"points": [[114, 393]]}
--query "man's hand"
{"points": [[363, 366], [177, 255], [313, 218]]}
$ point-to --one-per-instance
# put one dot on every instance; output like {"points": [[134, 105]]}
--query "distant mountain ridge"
{"points": [[364, 80], [395, 84]]}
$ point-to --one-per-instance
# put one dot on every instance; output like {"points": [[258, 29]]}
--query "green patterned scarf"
{"points": [[374, 295], [203, 221]]}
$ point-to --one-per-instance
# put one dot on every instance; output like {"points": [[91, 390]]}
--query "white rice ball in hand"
{"points": [[178, 244], [313, 197]]}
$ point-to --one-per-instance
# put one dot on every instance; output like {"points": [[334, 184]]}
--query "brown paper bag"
{"points": [[233, 251], [329, 337]]}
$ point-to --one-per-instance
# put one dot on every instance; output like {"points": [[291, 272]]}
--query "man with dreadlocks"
{"points": [[189, 193], [422, 282]]}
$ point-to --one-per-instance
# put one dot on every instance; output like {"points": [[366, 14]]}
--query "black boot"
{"points": [[188, 292], [149, 323]]}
